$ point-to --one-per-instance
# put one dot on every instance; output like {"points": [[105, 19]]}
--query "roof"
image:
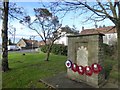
{"points": [[80, 35], [103, 30], [68, 30], [43, 43], [29, 42]]}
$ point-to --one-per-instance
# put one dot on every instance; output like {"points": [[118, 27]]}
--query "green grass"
{"points": [[27, 70]]}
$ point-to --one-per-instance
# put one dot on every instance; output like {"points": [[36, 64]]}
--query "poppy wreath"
{"points": [[74, 67], [96, 68], [88, 71], [81, 70], [68, 64]]}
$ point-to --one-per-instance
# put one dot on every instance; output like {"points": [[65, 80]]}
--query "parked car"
{"points": [[13, 48]]}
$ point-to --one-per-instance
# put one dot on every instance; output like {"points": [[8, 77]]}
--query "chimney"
{"points": [[104, 26], [82, 28], [96, 26], [100, 26]]}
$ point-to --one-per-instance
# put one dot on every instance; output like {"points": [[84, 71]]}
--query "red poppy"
{"points": [[81, 70], [88, 71], [74, 67], [96, 68]]}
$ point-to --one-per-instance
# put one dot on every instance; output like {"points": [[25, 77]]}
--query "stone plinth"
{"points": [[85, 50]]}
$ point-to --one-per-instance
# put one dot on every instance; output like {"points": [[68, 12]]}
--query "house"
{"points": [[27, 44], [110, 33], [64, 31], [41, 43]]}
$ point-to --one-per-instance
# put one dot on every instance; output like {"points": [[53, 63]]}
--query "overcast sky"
{"points": [[70, 19]]}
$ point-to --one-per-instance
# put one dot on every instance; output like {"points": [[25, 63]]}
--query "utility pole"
{"points": [[12, 31], [14, 35]]}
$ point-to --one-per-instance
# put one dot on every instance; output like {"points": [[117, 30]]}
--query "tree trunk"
{"points": [[118, 38], [47, 55], [48, 52], [5, 66]]}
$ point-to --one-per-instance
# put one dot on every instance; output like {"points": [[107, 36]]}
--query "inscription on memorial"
{"points": [[82, 56]]}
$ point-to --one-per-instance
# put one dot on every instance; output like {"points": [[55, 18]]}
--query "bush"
{"points": [[57, 49], [110, 61], [44, 48], [108, 50]]}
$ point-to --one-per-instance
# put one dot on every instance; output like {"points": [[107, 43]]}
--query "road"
{"points": [[23, 51]]}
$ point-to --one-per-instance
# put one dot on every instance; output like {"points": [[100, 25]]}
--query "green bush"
{"points": [[44, 48], [57, 49], [110, 61], [108, 50]]}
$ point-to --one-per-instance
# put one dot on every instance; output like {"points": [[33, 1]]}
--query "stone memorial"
{"points": [[85, 59]]}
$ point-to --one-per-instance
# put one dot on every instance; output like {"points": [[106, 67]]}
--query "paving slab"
{"points": [[61, 81]]}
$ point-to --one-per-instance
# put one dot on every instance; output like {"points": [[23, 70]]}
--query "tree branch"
{"points": [[112, 9]]}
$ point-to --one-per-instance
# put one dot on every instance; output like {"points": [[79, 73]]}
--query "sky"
{"points": [[70, 19]]}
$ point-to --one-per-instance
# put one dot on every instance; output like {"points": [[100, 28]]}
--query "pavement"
{"points": [[62, 81]]}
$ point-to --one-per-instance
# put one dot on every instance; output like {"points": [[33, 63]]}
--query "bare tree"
{"points": [[99, 11], [46, 26]]}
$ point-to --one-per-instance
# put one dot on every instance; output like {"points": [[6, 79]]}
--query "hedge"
{"points": [[109, 50], [58, 49], [44, 48]]}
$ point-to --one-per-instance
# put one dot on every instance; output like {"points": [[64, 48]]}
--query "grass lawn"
{"points": [[27, 70]]}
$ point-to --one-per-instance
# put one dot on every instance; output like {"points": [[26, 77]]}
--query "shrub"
{"points": [[44, 48], [58, 49], [107, 49]]}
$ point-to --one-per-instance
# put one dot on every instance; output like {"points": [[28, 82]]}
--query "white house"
{"points": [[109, 32], [64, 31]]}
